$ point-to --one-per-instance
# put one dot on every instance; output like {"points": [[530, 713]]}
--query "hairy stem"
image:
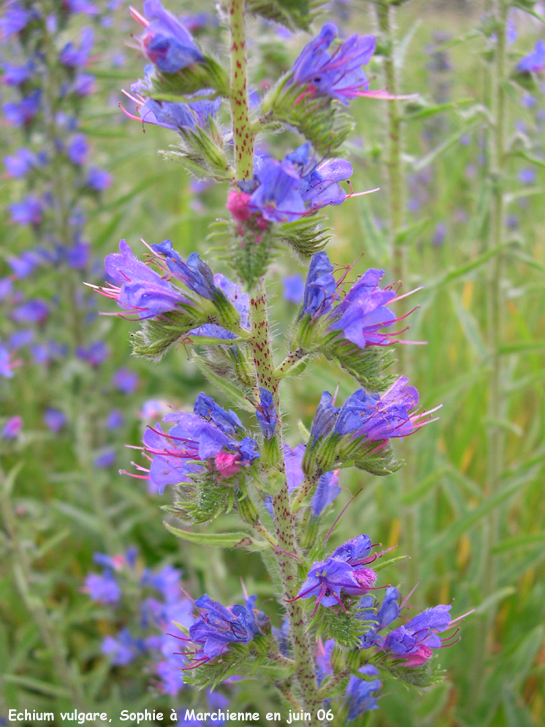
{"points": [[399, 251], [496, 401], [242, 132]]}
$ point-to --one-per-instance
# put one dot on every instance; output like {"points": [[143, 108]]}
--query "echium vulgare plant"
{"points": [[339, 639]]}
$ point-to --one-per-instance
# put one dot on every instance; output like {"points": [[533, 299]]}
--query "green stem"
{"points": [[399, 252], [496, 400]]}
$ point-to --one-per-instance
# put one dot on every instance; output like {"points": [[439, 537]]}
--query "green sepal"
{"points": [[320, 119], [157, 335], [421, 676], [345, 627], [176, 87], [270, 453], [202, 153], [305, 236]]}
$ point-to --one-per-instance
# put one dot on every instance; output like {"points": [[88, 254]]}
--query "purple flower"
{"points": [[106, 458], [21, 338], [534, 62], [32, 311], [359, 692], [78, 149], [439, 235], [25, 264], [166, 42], [320, 287], [266, 413], [98, 179], [20, 163], [115, 419], [125, 381], [14, 19], [277, 198], [27, 212], [338, 74], [122, 648], [527, 176], [320, 187], [54, 419], [17, 75], [195, 274], [324, 419], [217, 627], [22, 112], [102, 587], [139, 289], [414, 640], [84, 84], [327, 490], [72, 56], [328, 578], [95, 354], [13, 426], [294, 288], [166, 581], [81, 6]]}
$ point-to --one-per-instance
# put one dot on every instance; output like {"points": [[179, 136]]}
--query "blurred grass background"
{"points": [[448, 196]]}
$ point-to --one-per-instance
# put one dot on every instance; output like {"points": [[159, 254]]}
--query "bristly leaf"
{"points": [[345, 628], [320, 119], [233, 393], [305, 236], [292, 14], [191, 79], [420, 676], [202, 153]]}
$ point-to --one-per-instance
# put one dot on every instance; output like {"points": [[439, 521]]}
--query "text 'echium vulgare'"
{"points": [[346, 629]]}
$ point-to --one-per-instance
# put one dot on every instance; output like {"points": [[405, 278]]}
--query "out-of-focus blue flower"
{"points": [[217, 627], [98, 179], [21, 338], [534, 62], [103, 588], [115, 419], [6, 288], [81, 6], [73, 56], [527, 176], [95, 354], [266, 413], [105, 459], [338, 74], [125, 381], [439, 234], [165, 41], [28, 211], [25, 264], [294, 288], [32, 311], [84, 84], [360, 692], [78, 149], [18, 164], [13, 426], [122, 648], [17, 75], [20, 113], [14, 19], [139, 289], [54, 419]]}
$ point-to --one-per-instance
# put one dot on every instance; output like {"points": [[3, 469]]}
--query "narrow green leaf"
{"points": [[449, 142], [433, 110], [403, 46], [421, 490], [522, 541], [522, 347], [470, 327], [217, 540], [37, 685], [90, 522], [385, 563], [494, 598], [468, 267], [9, 480], [233, 393]]}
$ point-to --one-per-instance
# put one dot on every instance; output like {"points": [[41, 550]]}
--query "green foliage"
{"points": [[293, 14], [343, 626], [190, 80]]}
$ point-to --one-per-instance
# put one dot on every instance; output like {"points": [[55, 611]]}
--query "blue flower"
{"points": [[166, 42], [534, 62], [320, 287], [277, 197], [13, 426], [338, 74], [98, 179], [139, 288], [115, 419], [95, 353], [320, 187], [359, 692], [195, 273], [123, 648], [15, 18], [294, 288], [54, 419], [102, 587], [327, 490], [21, 113], [17, 75], [217, 627], [72, 56], [266, 413], [324, 419], [106, 458], [78, 149], [328, 578], [27, 212], [32, 311], [125, 381], [20, 163], [414, 640]]}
